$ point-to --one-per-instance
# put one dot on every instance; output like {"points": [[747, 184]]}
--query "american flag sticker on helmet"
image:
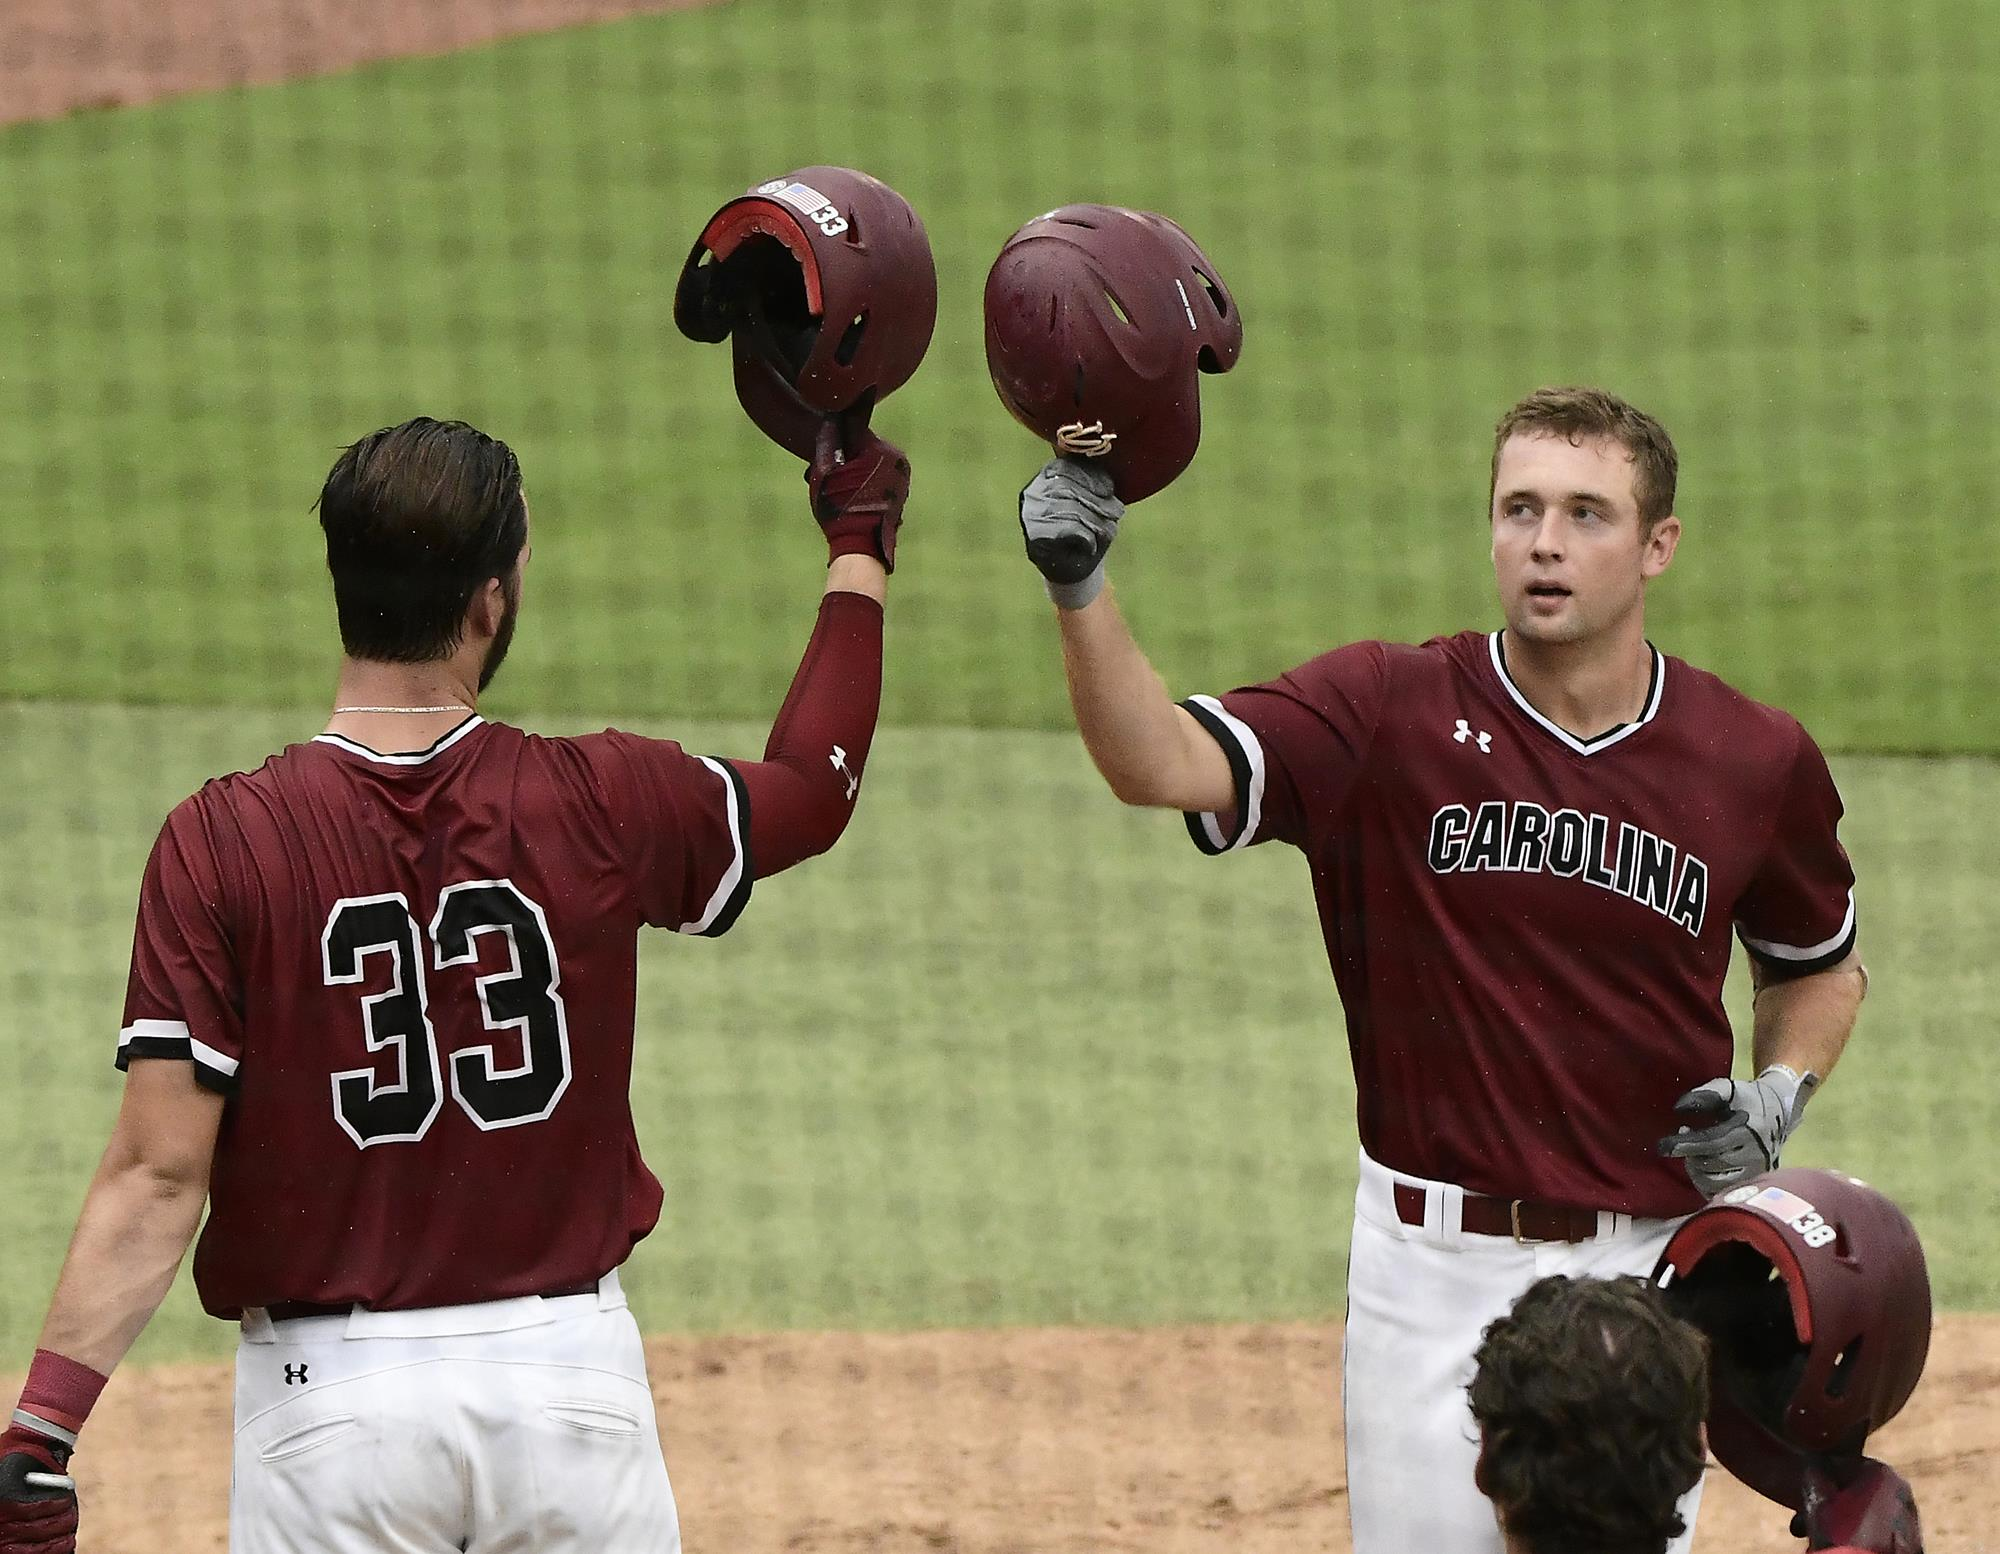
{"points": [[1787, 1207], [803, 198]]}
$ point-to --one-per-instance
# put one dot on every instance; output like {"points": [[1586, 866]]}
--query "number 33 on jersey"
{"points": [[438, 1065]]}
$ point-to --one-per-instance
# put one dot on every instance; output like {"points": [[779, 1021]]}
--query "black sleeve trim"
{"points": [[1778, 969], [1239, 774], [177, 1049], [739, 898]]}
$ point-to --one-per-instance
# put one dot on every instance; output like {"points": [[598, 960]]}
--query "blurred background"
{"points": [[1010, 1055]]}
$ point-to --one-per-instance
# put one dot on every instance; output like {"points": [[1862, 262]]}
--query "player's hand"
{"points": [[858, 483], [37, 1495], [1864, 1505], [1732, 1131], [1069, 517]]}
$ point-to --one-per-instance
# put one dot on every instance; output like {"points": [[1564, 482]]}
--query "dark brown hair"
{"points": [[1590, 1396], [1579, 413], [417, 518]]}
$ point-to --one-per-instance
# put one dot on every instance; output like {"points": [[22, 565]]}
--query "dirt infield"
{"points": [[60, 55], [1024, 1441]]}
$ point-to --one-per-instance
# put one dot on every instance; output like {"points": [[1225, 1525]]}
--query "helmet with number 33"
{"points": [[1812, 1289], [822, 281]]}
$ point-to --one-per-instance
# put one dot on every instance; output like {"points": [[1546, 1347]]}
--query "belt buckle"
{"points": [[1514, 1221]]}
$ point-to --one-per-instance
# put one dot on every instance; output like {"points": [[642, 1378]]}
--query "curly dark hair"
{"points": [[1590, 1397]]}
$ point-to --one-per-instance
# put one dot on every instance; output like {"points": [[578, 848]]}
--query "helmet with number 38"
{"points": [[1812, 1289], [823, 283]]}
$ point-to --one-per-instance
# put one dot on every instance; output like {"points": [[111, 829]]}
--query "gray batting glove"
{"points": [[1731, 1131], [1069, 517]]}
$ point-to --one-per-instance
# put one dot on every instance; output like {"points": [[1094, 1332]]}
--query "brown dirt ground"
{"points": [[60, 55], [1013, 1441], [1001, 1442]]}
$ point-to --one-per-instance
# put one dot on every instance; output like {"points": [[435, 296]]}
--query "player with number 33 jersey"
{"points": [[380, 1020]]}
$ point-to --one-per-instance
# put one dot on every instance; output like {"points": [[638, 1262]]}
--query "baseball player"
{"points": [[1529, 848], [380, 1021], [1589, 1396]]}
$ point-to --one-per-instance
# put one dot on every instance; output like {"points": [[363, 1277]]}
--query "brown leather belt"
{"points": [[292, 1310], [1525, 1221]]}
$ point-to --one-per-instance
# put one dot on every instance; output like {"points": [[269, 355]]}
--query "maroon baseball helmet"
{"points": [[1812, 1289], [1099, 322], [822, 281]]}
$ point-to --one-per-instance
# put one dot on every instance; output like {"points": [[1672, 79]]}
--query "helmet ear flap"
{"points": [[705, 306]]}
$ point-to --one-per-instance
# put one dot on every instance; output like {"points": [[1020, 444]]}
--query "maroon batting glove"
{"points": [[858, 484], [37, 1498], [1864, 1505]]}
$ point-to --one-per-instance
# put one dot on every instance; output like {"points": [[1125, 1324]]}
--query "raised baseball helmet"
{"points": [[823, 283], [1099, 322], [1812, 1289]]}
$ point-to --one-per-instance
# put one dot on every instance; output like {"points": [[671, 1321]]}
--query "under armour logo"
{"points": [[1467, 732], [295, 1375], [838, 761]]}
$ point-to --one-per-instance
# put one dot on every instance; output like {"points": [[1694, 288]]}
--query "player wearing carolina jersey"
{"points": [[380, 1017], [1529, 849]]}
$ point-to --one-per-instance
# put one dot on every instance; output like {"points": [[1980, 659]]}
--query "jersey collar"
{"points": [[1599, 742], [409, 758]]}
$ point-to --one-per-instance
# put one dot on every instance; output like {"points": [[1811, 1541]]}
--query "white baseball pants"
{"points": [[508, 1427], [1418, 1298]]}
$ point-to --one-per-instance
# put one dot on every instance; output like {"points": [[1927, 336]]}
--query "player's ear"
{"points": [[487, 610], [1660, 545]]}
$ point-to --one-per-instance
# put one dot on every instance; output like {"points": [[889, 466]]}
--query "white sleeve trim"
{"points": [[154, 1030], [209, 1057], [176, 1032], [725, 889], [1252, 750], [1773, 951]]}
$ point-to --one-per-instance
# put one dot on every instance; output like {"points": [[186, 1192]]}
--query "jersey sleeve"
{"points": [[1798, 914], [680, 824], [1295, 746], [183, 999]]}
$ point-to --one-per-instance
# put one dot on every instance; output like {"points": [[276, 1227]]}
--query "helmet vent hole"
{"points": [[1054, 303], [1076, 221], [1077, 389], [850, 340], [1216, 298], [1207, 360], [1843, 1370], [1118, 307]]}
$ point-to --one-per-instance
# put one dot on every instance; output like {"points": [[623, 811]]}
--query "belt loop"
{"points": [[1444, 1216], [257, 1328], [610, 1293]]}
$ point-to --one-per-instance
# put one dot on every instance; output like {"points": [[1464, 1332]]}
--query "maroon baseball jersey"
{"points": [[413, 976], [1529, 930]]}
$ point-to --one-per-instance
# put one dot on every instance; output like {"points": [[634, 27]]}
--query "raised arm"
{"points": [[803, 790], [1150, 751]]}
